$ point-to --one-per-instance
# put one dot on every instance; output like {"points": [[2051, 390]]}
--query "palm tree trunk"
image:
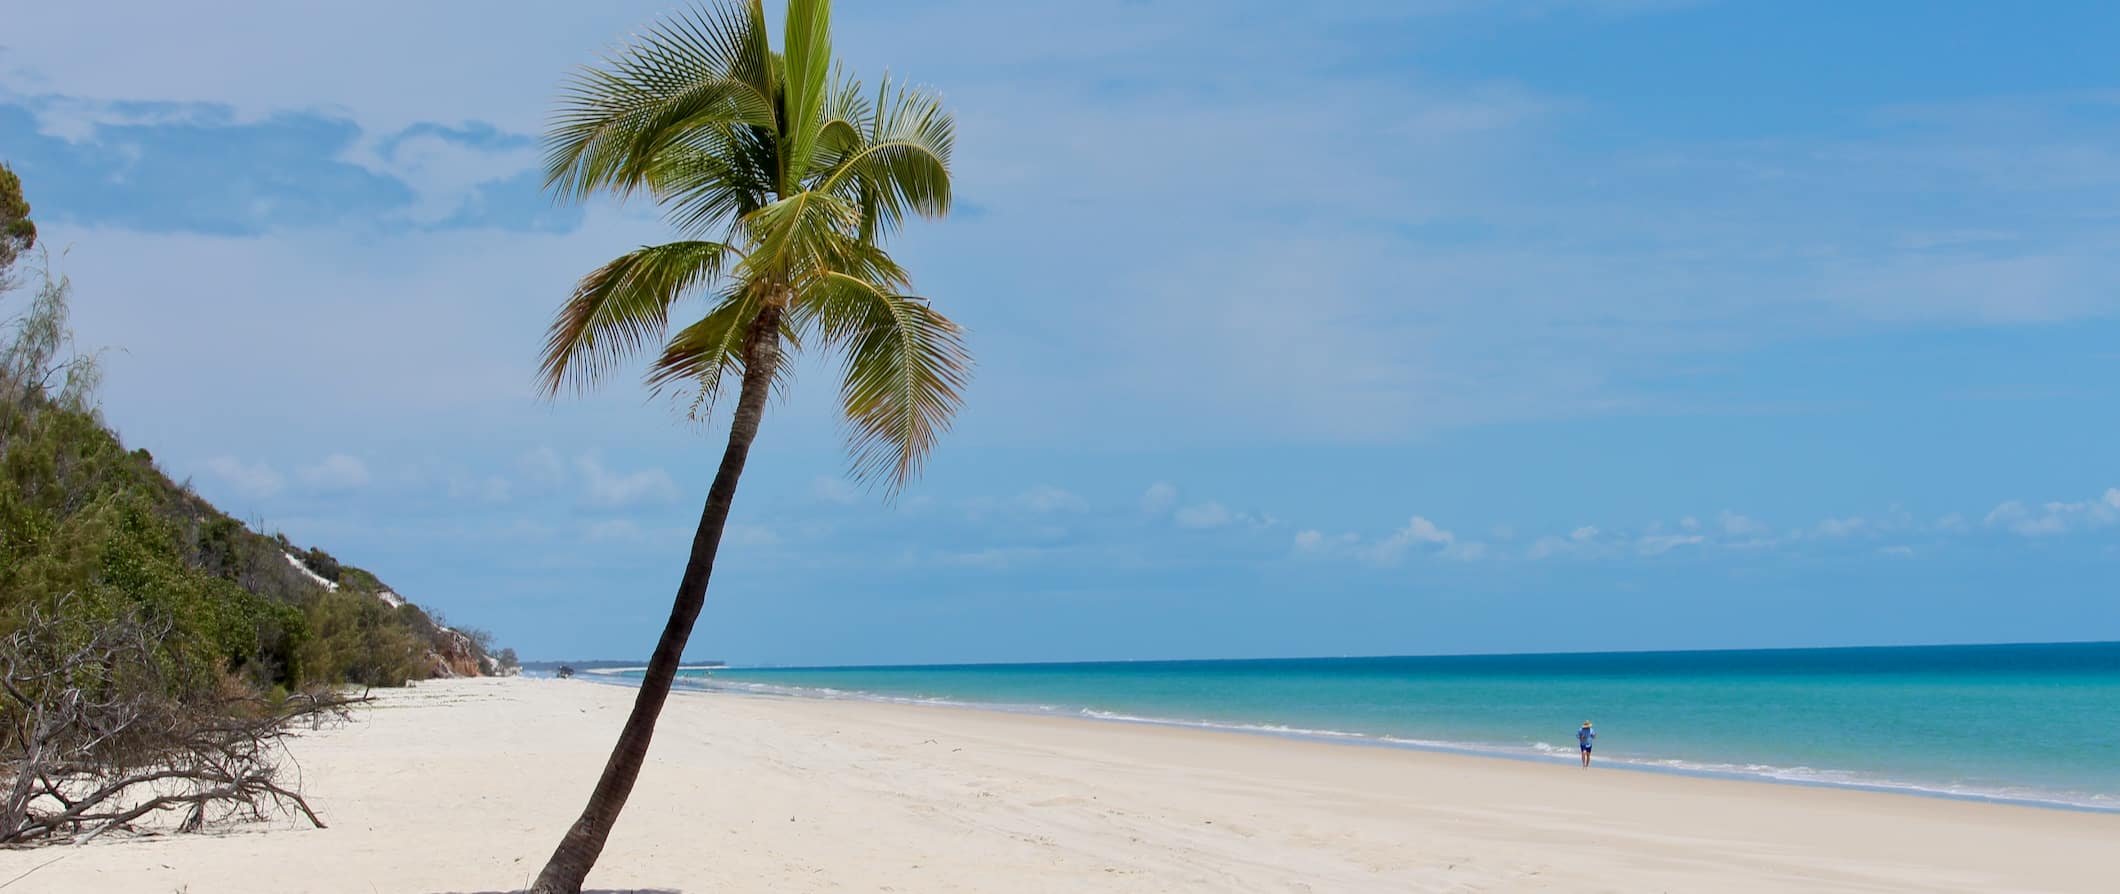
{"points": [[577, 852]]}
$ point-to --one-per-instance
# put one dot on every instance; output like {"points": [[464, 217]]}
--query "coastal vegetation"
{"points": [[141, 627], [783, 176]]}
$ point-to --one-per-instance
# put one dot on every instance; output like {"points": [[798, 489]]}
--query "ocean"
{"points": [[2034, 724]]}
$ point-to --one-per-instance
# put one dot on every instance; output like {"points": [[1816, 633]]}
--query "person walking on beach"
{"points": [[1584, 737]]}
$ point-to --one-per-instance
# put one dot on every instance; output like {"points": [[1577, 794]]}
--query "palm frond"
{"points": [[803, 232], [903, 166], [710, 353], [619, 307], [707, 68], [716, 178], [905, 369], [847, 119], [806, 53]]}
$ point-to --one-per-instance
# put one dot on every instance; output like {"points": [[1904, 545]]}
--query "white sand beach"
{"points": [[465, 785]]}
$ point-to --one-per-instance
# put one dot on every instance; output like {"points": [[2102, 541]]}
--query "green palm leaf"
{"points": [[905, 369], [698, 71], [716, 178], [902, 165], [807, 58], [799, 234], [709, 353], [617, 309]]}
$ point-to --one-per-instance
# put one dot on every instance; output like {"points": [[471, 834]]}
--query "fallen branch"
{"points": [[101, 733]]}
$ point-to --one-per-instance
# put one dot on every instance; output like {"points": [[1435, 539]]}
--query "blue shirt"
{"points": [[1584, 735]]}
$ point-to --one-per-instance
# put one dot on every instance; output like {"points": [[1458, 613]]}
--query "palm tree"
{"points": [[783, 175]]}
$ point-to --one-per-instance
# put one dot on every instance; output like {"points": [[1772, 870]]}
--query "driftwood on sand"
{"points": [[100, 732]]}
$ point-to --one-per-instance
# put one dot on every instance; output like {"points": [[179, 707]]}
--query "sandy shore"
{"points": [[465, 786]]}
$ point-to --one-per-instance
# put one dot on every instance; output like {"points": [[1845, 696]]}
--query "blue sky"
{"points": [[1372, 328]]}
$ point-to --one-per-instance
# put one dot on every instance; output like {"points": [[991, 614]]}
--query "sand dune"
{"points": [[464, 786]]}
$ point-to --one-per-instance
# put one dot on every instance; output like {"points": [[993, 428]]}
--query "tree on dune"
{"points": [[783, 176], [17, 231]]}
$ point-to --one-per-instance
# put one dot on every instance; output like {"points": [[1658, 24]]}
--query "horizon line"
{"points": [[1556, 654]]}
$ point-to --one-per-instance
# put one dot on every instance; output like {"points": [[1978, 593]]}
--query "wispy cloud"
{"points": [[1036, 501], [489, 489], [337, 472], [2053, 518], [1736, 525], [1841, 527], [606, 488], [831, 489], [248, 479], [1160, 498], [1419, 536], [1582, 539], [1047, 499], [1891, 532], [444, 167], [543, 466], [1658, 544], [1203, 515]]}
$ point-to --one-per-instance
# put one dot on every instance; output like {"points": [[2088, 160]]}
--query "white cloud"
{"points": [[544, 466], [604, 487], [1319, 543], [991, 558], [833, 490], [2056, 517], [749, 535], [1159, 498], [1736, 525], [1418, 532], [1658, 544], [259, 480], [1213, 514], [1421, 530], [444, 174], [1203, 515], [1842, 527], [1036, 501], [2014, 516], [1548, 547], [1728, 530], [1046, 498], [490, 489], [336, 472], [75, 120], [613, 529], [1583, 540]]}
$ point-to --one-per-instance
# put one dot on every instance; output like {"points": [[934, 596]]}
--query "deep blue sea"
{"points": [[2026, 723]]}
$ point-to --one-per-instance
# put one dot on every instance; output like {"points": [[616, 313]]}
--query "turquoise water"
{"points": [[2029, 723]]}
